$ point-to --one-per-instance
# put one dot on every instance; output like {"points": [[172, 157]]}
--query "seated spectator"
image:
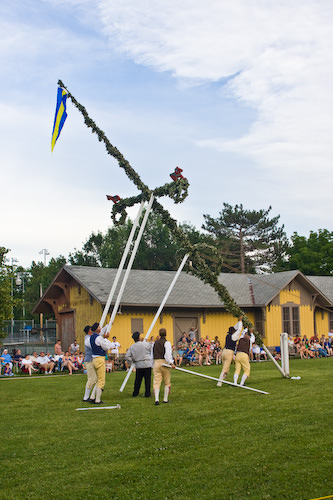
{"points": [[8, 371], [115, 346], [263, 353], [217, 352], [6, 358], [68, 363], [79, 361], [313, 353], [109, 365], [33, 358], [44, 363], [17, 359], [328, 347], [321, 351], [58, 361], [175, 355], [27, 365], [181, 347], [256, 352], [74, 348], [314, 338]]}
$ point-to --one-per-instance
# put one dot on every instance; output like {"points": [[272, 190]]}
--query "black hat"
{"points": [[95, 326], [86, 329], [136, 336], [231, 330]]}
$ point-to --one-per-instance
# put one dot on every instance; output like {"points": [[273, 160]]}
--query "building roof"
{"points": [[148, 288], [325, 285]]}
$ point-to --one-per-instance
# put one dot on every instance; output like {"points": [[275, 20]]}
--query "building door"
{"points": [[183, 324], [67, 329]]}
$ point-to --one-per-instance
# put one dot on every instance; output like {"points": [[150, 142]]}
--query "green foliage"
{"points": [[5, 289], [208, 443], [312, 255], [248, 240]]}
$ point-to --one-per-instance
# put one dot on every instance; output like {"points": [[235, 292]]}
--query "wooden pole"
{"points": [[130, 263], [121, 265], [218, 380], [172, 284]]}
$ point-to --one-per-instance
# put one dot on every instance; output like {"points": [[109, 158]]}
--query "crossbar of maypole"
{"points": [[130, 263], [218, 380], [166, 296], [122, 263]]}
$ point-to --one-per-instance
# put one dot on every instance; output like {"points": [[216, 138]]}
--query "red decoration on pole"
{"points": [[177, 174], [115, 198]]}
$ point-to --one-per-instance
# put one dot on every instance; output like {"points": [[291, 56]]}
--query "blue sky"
{"points": [[237, 94]]}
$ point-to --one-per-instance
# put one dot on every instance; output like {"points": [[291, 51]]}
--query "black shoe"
{"points": [[165, 401], [147, 395], [89, 400], [98, 402], [157, 403], [86, 400]]}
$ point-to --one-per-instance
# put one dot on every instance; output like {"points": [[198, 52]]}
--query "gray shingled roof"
{"points": [[324, 284], [147, 288]]}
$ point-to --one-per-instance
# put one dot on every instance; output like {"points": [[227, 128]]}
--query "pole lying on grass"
{"points": [[116, 407], [130, 263], [121, 265], [215, 378], [172, 284]]}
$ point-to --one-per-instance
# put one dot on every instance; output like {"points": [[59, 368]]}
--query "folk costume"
{"points": [[99, 345], [162, 353], [242, 359], [229, 350], [88, 363], [140, 354]]}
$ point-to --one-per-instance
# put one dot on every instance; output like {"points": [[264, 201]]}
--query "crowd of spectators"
{"points": [[313, 347], [44, 362]]}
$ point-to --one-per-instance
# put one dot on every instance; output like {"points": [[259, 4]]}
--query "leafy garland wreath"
{"points": [[178, 191]]}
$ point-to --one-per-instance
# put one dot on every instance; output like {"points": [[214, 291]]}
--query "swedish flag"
{"points": [[60, 115]]}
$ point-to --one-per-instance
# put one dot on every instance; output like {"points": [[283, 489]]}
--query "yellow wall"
{"points": [[322, 323]]}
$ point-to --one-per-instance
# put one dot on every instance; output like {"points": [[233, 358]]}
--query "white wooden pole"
{"points": [[130, 263], [121, 265], [115, 407], [215, 378], [274, 360], [285, 354], [172, 284]]}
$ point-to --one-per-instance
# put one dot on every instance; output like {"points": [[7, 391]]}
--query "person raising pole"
{"points": [[242, 359], [162, 352], [229, 349]]}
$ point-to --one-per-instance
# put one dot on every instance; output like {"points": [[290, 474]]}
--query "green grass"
{"points": [[208, 443]]}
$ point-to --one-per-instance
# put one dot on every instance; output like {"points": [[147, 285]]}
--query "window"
{"points": [[137, 325], [290, 320]]}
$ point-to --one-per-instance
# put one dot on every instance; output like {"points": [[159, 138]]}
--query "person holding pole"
{"points": [[99, 345], [88, 363], [228, 352], [162, 352], [140, 354], [242, 359]]}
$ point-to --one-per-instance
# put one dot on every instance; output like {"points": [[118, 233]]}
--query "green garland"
{"points": [[178, 191]]}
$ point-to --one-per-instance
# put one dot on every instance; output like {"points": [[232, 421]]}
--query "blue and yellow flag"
{"points": [[60, 115]]}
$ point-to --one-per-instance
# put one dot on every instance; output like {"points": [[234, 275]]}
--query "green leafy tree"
{"points": [[157, 250], [248, 240], [5, 290], [312, 255]]}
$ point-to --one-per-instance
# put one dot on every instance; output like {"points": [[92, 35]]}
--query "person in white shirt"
{"points": [[27, 365], [162, 353], [115, 346], [45, 363]]}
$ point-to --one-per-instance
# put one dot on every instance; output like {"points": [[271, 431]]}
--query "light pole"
{"points": [[45, 252], [20, 280], [12, 296]]}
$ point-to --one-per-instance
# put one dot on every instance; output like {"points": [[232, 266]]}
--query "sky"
{"points": [[237, 94]]}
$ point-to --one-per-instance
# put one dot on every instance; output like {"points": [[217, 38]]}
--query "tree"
{"points": [[158, 249], [312, 256], [5, 289], [248, 240]]}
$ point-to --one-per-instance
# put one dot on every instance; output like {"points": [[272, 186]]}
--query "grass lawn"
{"points": [[208, 443]]}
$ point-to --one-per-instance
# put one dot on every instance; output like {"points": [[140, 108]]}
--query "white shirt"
{"points": [[105, 344], [115, 347], [168, 352], [42, 360]]}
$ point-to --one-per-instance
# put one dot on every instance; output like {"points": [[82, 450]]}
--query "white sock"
{"points": [[98, 395], [166, 393], [87, 393], [93, 394], [244, 377], [157, 394], [235, 378]]}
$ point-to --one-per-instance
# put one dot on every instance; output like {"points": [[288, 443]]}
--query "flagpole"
{"points": [[172, 284], [130, 263], [122, 263]]}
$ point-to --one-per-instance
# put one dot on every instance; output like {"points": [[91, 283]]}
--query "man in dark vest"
{"points": [[140, 354], [99, 346], [242, 359], [162, 353], [228, 352]]}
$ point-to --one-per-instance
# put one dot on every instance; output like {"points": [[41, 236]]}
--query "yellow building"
{"points": [[275, 303]]}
